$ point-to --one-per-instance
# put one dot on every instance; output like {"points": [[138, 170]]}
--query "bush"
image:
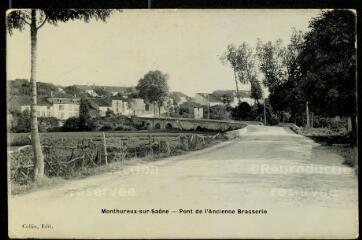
{"points": [[125, 128], [242, 112], [71, 124], [47, 124], [218, 112], [21, 122], [106, 127]]}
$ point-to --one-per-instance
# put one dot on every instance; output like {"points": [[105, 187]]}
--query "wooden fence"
{"points": [[65, 158]]}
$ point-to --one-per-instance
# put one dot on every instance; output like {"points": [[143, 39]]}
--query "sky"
{"points": [[185, 44]]}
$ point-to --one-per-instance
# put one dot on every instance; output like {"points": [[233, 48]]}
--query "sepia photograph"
{"points": [[182, 123]]}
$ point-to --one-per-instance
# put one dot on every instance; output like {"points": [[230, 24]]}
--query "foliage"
{"points": [[153, 87], [256, 91], [106, 127], [18, 19], [109, 113], [328, 64], [241, 59], [101, 92], [71, 124], [219, 112], [86, 118], [74, 91], [242, 112], [47, 124], [44, 89], [22, 122], [22, 87], [272, 63], [19, 87], [186, 109]]}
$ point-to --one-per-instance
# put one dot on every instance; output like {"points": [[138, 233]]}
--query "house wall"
{"points": [[198, 113], [65, 111], [41, 110], [120, 107]]}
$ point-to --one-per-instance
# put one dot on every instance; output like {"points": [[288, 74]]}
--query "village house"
{"points": [[60, 108]]}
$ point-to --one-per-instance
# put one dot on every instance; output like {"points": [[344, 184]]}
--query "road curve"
{"points": [[297, 187]]}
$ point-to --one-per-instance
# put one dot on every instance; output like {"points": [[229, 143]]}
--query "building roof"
{"points": [[62, 95], [101, 102], [44, 102]]}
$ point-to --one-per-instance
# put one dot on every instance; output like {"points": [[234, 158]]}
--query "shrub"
{"points": [[21, 122], [106, 127], [47, 123], [125, 128], [71, 124], [242, 112]]}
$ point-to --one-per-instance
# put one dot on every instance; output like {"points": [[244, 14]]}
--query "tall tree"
{"points": [[285, 93], [86, 118], [35, 19], [328, 64], [153, 88], [272, 62], [241, 59]]}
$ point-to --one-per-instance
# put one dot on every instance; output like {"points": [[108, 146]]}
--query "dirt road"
{"points": [[297, 188]]}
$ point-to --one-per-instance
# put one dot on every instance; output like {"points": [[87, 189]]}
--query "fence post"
{"points": [[105, 149]]}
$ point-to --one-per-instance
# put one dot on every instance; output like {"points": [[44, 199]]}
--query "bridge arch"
{"points": [[168, 126], [157, 126]]}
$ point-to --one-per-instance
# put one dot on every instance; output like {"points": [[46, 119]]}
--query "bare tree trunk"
{"points": [[35, 139], [237, 87]]}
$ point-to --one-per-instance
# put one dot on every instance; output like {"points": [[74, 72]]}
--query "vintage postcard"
{"points": [[218, 123]]}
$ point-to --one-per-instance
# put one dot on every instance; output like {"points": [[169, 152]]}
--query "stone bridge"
{"points": [[189, 123]]}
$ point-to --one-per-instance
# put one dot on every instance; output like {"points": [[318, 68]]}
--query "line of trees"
{"points": [[316, 68]]}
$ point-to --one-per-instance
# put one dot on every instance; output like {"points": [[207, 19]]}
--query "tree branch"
{"points": [[25, 20], [45, 19]]}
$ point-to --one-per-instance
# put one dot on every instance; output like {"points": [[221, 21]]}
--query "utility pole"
{"points": [[307, 114], [264, 113]]}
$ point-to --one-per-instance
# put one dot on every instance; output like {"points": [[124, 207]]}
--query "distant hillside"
{"points": [[22, 87], [108, 88]]}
